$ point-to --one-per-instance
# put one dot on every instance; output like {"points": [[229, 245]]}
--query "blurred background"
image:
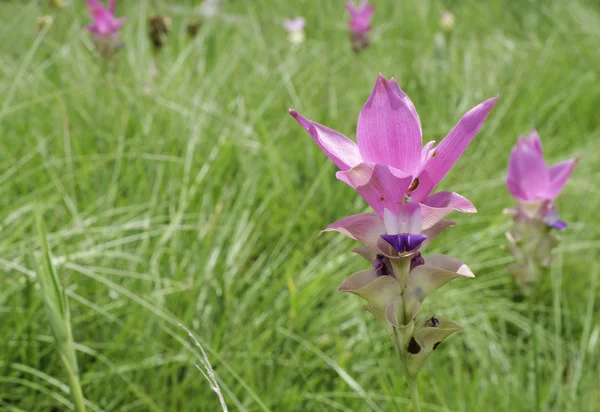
{"points": [[177, 189]]}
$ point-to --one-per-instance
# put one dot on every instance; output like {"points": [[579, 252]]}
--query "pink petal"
{"points": [[94, 4], [559, 174], [528, 177], [451, 148], [389, 130], [341, 150], [112, 6], [364, 227], [367, 252], [357, 281], [448, 264], [382, 187], [438, 205], [534, 142], [436, 272], [351, 8]]}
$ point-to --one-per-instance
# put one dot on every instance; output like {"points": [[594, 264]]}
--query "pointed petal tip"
{"points": [[491, 102], [381, 80], [293, 113]]}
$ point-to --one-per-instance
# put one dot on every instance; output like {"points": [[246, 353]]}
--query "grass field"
{"points": [[192, 197]]}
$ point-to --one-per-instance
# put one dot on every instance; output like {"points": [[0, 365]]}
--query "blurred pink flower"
{"points": [[360, 24], [294, 25], [535, 185], [105, 26], [447, 21], [295, 28], [360, 16]]}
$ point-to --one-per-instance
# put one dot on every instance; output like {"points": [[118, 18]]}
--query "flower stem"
{"points": [[534, 351], [413, 387], [74, 384]]}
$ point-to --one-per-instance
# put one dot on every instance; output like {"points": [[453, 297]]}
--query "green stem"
{"points": [[75, 385], [534, 338], [413, 387]]}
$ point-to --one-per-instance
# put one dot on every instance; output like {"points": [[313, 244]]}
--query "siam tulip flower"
{"points": [[105, 28], [360, 24], [395, 175], [447, 22], [535, 186], [388, 165], [295, 28]]}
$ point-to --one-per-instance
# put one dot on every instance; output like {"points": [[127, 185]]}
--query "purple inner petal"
{"points": [[404, 242], [558, 225], [382, 266], [553, 220], [417, 260]]}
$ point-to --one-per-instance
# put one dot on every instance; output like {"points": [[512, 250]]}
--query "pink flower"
{"points": [[528, 178], [294, 25], [105, 24], [388, 166], [533, 184], [360, 16]]}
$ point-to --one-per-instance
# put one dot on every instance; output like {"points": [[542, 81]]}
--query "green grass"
{"points": [[194, 198]]}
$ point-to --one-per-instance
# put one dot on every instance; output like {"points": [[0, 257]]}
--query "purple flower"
{"points": [[360, 24], [388, 166], [105, 23], [533, 184], [360, 16], [295, 28], [294, 25], [105, 26]]}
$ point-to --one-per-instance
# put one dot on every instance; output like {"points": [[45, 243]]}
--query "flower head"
{"points": [[535, 185], [447, 21], [360, 24], [105, 28], [294, 25], [360, 16], [105, 23], [295, 28], [388, 165]]}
